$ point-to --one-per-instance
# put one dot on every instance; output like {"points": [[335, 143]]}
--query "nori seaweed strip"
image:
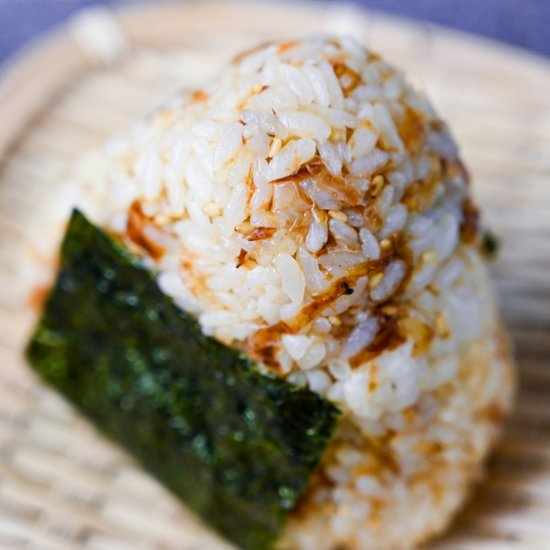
{"points": [[237, 445]]}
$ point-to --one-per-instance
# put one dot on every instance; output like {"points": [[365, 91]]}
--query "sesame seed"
{"points": [[338, 215], [442, 328], [429, 257], [376, 185], [389, 310], [375, 279], [386, 246], [161, 219], [336, 135], [335, 320], [244, 227], [276, 145], [211, 209]]}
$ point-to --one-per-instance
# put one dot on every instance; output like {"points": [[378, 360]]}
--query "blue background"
{"points": [[525, 23]]}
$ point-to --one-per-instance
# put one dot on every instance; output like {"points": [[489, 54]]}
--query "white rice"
{"points": [[311, 194]]}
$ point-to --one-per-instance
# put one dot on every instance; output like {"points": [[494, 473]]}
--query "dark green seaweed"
{"points": [[237, 445], [490, 245]]}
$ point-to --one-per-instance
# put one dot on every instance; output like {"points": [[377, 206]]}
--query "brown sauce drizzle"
{"points": [[492, 413], [240, 56], [455, 167], [306, 499], [420, 194], [373, 219], [342, 70], [262, 345], [241, 258], [393, 331], [412, 129], [260, 233], [199, 96], [195, 280], [288, 45], [339, 288], [37, 297], [388, 337], [470, 223], [335, 185], [137, 223]]}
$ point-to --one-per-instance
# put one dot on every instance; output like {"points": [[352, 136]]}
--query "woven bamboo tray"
{"points": [[61, 484]]}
